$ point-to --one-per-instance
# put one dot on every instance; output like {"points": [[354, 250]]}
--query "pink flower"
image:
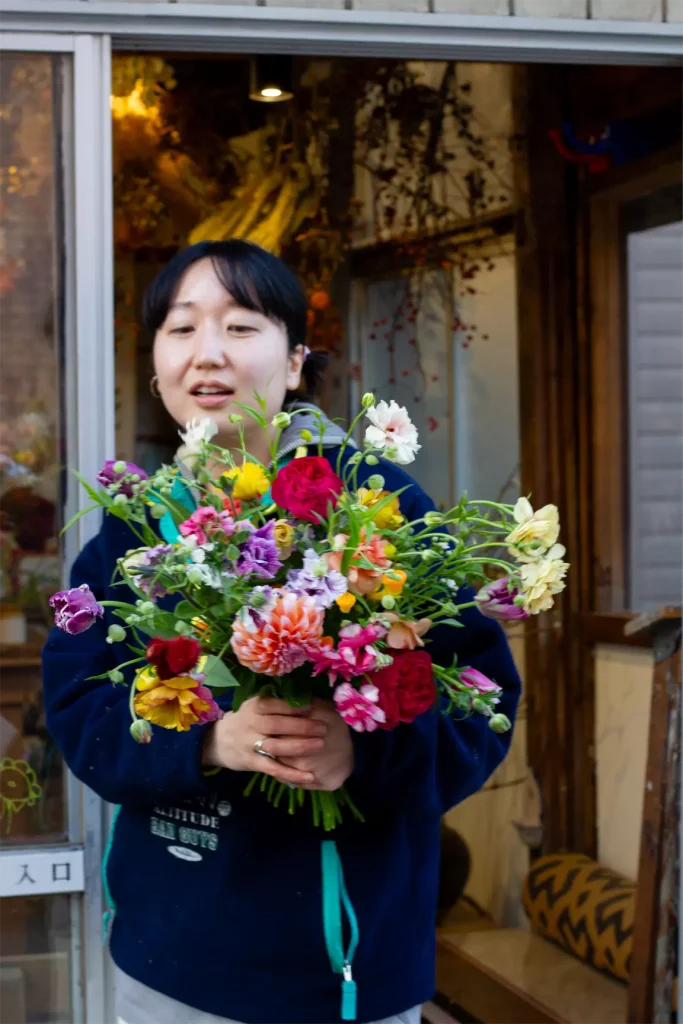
{"points": [[214, 712], [478, 681], [406, 635], [359, 709], [355, 654], [497, 601], [361, 580], [199, 524]]}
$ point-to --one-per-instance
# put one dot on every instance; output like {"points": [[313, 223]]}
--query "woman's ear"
{"points": [[295, 362]]}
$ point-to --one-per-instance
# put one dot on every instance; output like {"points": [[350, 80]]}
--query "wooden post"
{"points": [[653, 962]]}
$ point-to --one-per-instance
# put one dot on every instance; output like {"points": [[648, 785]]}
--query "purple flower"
{"points": [[116, 471], [76, 609], [258, 555], [316, 580], [147, 584], [497, 601]]}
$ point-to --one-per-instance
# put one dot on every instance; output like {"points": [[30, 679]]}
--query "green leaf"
{"points": [[218, 674], [185, 610], [253, 413], [449, 622], [102, 499]]}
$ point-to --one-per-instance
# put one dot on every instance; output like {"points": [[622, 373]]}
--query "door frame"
{"points": [[89, 426], [90, 32], [235, 28]]}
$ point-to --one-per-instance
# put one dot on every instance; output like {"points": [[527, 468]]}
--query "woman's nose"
{"points": [[210, 347]]}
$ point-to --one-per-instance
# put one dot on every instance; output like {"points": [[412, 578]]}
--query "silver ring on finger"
{"points": [[258, 749]]}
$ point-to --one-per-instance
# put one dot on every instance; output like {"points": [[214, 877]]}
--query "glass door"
{"points": [[53, 288]]}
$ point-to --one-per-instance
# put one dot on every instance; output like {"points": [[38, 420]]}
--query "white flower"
{"points": [[204, 574], [392, 431], [541, 579], [535, 532], [196, 433]]}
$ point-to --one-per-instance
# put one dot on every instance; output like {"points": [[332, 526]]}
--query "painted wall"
{"points": [[623, 688], [610, 10]]}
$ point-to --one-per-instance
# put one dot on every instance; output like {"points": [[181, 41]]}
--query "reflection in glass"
{"points": [[35, 969], [31, 437]]}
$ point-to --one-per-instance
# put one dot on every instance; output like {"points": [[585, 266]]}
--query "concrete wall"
{"points": [[609, 10]]}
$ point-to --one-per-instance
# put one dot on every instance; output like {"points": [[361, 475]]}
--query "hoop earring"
{"points": [[154, 387]]}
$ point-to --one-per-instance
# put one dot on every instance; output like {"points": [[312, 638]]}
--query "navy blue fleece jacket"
{"points": [[218, 896]]}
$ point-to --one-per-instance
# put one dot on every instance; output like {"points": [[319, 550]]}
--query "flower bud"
{"points": [[116, 634], [371, 460], [388, 602], [235, 417], [120, 499], [368, 400], [119, 467], [147, 608], [433, 518], [135, 478], [500, 723], [306, 436], [429, 555], [141, 731], [376, 482], [384, 660], [115, 676], [480, 705], [281, 420]]}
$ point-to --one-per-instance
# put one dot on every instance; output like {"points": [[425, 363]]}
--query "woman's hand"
{"points": [[332, 764], [293, 735]]}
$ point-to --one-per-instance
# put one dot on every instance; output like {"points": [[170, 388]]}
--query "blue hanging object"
{"points": [[336, 898]]}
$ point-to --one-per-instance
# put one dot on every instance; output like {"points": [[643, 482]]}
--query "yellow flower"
{"points": [[542, 579], [201, 627], [284, 538], [535, 532], [394, 581], [250, 481], [388, 516], [346, 602], [172, 704]]}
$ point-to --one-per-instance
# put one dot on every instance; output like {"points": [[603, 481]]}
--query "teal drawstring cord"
{"points": [[335, 897], [108, 915]]}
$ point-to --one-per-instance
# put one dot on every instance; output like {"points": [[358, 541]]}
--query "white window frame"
{"points": [[89, 379], [90, 31]]}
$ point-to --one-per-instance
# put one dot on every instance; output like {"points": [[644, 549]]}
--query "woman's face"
{"points": [[209, 354]]}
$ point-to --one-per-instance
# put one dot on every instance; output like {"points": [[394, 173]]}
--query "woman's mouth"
{"points": [[212, 395]]}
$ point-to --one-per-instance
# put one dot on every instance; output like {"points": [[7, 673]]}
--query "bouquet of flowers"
{"points": [[292, 580]]}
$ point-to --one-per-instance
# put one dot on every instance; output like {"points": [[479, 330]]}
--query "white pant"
{"points": [[138, 1004]]}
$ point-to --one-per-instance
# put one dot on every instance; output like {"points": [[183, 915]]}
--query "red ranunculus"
{"points": [[304, 487], [406, 688], [173, 657]]}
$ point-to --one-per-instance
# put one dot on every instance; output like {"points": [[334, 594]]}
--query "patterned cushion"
{"points": [[585, 908]]}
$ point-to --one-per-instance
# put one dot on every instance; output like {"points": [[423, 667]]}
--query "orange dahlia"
{"points": [[277, 641]]}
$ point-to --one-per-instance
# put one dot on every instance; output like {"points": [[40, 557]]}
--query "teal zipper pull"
{"points": [[349, 993], [335, 900]]}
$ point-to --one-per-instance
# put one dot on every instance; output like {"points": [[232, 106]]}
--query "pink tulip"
{"points": [[497, 601]]}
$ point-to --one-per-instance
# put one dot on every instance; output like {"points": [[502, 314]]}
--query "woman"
{"points": [[218, 898]]}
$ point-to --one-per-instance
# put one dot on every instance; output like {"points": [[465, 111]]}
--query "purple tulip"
{"points": [[116, 471], [76, 609], [478, 681], [497, 601]]}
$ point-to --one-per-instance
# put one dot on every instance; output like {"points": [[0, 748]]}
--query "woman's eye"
{"points": [[185, 329], [241, 328]]}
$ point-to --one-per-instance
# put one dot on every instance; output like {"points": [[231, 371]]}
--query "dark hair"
{"points": [[255, 278]]}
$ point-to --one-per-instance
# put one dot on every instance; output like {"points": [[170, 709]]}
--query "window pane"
{"points": [[32, 792], [35, 960]]}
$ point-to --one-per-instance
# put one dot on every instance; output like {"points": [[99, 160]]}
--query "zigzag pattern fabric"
{"points": [[583, 907]]}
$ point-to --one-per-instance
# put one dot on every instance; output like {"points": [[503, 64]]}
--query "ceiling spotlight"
{"points": [[270, 79]]}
